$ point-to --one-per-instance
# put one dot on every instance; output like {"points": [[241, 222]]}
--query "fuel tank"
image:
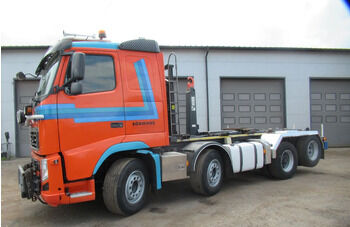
{"points": [[246, 156]]}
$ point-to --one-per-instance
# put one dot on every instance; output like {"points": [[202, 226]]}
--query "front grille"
{"points": [[34, 138]]}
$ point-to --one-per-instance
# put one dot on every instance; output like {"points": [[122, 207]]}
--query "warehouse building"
{"points": [[236, 87]]}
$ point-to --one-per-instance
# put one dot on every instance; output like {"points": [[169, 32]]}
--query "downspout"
{"points": [[207, 86]]}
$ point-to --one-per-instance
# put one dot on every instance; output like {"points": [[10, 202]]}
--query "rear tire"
{"points": [[208, 176], [285, 164], [309, 150], [125, 186]]}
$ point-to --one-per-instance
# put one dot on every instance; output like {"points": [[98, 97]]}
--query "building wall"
{"points": [[192, 63], [13, 61], [296, 67]]}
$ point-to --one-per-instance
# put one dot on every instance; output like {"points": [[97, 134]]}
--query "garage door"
{"points": [[330, 106], [25, 90], [252, 103]]}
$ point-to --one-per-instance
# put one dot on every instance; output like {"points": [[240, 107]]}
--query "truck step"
{"points": [[80, 194]]}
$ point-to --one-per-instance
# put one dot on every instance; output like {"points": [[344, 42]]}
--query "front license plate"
{"points": [[21, 181]]}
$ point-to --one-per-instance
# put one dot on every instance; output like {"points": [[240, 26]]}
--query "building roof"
{"points": [[309, 49]]}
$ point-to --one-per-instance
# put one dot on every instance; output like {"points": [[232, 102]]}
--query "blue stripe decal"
{"points": [[118, 148], [156, 159], [82, 115], [103, 45]]}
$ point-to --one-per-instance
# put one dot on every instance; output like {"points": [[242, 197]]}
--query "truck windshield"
{"points": [[48, 75]]}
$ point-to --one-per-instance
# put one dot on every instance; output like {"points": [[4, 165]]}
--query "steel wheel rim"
{"points": [[287, 160], [312, 150], [135, 187], [214, 173]]}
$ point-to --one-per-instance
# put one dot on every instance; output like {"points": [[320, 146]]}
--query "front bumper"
{"points": [[53, 191]]}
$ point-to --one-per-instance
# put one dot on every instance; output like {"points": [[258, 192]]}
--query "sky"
{"points": [[268, 23]]}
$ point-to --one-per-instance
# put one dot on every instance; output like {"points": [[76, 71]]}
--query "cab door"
{"points": [[91, 122], [144, 98]]}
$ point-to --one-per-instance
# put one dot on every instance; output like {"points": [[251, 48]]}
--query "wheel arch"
{"points": [[195, 149], [129, 150]]}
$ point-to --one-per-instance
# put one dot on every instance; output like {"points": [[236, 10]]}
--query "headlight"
{"points": [[44, 170]]}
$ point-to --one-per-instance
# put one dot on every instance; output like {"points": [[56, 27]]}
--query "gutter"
{"points": [[207, 86]]}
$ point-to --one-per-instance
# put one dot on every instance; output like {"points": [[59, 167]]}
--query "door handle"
{"points": [[117, 125]]}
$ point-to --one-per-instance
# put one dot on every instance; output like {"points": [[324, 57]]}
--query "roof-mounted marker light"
{"points": [[102, 34]]}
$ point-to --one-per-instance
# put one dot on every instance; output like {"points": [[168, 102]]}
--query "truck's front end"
{"points": [[97, 102], [43, 178]]}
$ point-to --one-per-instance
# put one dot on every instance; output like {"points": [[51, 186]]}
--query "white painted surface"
{"points": [[274, 139], [13, 61], [248, 156]]}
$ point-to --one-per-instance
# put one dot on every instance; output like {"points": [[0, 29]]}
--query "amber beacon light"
{"points": [[102, 34]]}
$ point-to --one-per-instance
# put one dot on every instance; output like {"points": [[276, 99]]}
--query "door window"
{"points": [[99, 74]]}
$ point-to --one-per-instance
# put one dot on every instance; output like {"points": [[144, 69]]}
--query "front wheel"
{"points": [[125, 186], [208, 176], [285, 164]]}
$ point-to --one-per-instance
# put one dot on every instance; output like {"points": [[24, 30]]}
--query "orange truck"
{"points": [[105, 120]]}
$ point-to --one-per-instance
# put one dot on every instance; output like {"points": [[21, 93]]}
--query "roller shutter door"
{"points": [[252, 103], [25, 90], [330, 106]]}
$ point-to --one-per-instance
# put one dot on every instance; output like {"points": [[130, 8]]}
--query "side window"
{"points": [[99, 74]]}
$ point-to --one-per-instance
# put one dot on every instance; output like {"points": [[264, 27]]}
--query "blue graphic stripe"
{"points": [[149, 110], [140, 147], [103, 45], [82, 115], [118, 148]]}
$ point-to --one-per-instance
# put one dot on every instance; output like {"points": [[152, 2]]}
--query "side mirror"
{"points": [[20, 117], [78, 66], [76, 88], [20, 76]]}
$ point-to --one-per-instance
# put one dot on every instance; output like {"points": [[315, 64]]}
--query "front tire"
{"points": [[285, 164], [208, 176], [125, 186]]}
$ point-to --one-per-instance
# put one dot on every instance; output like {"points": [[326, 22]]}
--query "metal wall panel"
{"points": [[252, 103], [330, 106]]}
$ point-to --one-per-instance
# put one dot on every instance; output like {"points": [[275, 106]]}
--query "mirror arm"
{"points": [[57, 88]]}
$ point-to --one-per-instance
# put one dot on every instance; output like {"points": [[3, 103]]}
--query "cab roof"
{"points": [[144, 45]]}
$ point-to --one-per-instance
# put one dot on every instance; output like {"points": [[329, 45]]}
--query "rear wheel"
{"points": [[285, 164], [309, 150], [208, 176], [125, 186]]}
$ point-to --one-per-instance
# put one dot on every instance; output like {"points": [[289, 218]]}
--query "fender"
{"points": [[129, 146], [196, 148], [156, 159], [276, 138]]}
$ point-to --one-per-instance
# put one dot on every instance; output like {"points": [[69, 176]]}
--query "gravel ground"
{"points": [[318, 196]]}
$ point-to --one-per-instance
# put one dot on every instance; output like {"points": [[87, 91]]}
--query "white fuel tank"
{"points": [[246, 156]]}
